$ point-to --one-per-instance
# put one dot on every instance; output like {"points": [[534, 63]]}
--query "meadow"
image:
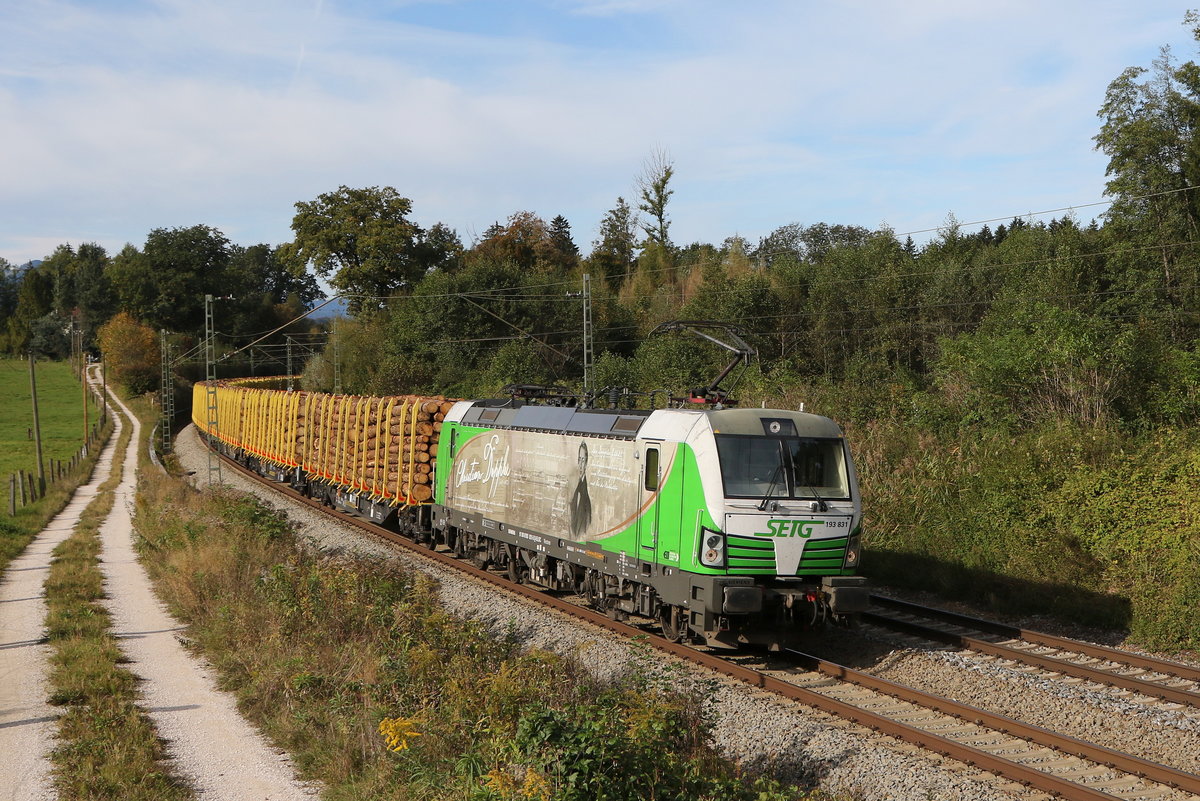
{"points": [[60, 404]]}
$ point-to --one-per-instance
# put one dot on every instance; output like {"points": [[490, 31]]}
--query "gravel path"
{"points": [[752, 726], [210, 743], [26, 719]]}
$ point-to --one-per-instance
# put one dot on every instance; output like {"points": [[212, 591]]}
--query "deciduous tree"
{"points": [[362, 240]]}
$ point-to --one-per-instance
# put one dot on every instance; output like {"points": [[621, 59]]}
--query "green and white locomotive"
{"points": [[729, 526]]}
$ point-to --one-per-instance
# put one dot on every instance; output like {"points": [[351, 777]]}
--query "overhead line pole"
{"points": [[165, 391], [587, 335], [210, 379], [337, 359]]}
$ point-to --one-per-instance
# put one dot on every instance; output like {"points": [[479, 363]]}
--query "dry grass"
{"points": [[322, 650]]}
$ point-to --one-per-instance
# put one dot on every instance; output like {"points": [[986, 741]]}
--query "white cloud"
{"points": [[175, 113]]}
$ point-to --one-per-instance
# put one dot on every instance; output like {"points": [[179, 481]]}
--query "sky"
{"points": [[122, 116]]}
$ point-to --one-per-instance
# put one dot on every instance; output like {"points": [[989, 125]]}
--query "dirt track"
{"points": [[210, 744]]}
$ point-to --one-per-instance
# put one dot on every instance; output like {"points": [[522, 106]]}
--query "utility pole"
{"points": [[288, 338], [37, 425], [83, 389], [210, 379]]}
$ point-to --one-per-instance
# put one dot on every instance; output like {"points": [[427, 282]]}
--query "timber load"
{"points": [[384, 447]]}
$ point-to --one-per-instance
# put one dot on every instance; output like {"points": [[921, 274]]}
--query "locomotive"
{"points": [[732, 526]]}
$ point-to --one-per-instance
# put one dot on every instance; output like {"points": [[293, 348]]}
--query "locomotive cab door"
{"points": [[649, 510], [661, 498]]}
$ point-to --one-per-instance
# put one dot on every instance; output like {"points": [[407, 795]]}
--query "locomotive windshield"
{"points": [[797, 468]]}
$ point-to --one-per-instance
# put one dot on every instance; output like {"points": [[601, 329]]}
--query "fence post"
{"points": [[21, 474]]}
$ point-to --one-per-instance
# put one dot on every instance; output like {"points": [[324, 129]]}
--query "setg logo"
{"points": [[789, 528]]}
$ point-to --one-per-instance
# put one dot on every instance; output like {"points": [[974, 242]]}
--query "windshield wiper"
{"points": [[762, 505], [821, 505]]}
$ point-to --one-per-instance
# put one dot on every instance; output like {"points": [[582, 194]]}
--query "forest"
{"points": [[1022, 400]]}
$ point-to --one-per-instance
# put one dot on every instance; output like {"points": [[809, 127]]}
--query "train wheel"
{"points": [[673, 621], [593, 590], [517, 571]]}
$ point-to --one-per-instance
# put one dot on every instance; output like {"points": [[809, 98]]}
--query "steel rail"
{"points": [[1013, 632], [1126, 763], [966, 754], [1052, 663]]}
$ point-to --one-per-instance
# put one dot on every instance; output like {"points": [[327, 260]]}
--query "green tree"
{"points": [[10, 284], [1149, 135], [60, 268], [95, 296], [362, 241], [443, 248], [563, 251], [49, 337], [165, 283], [657, 171], [35, 299], [264, 293], [615, 251]]}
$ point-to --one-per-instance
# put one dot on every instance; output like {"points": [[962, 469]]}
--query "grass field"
{"points": [[60, 406]]}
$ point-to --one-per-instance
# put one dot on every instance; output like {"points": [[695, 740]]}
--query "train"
{"points": [[727, 526]]}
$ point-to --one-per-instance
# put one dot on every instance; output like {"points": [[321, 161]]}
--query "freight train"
{"points": [[727, 526]]}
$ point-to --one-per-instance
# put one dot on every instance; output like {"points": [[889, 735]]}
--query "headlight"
{"points": [[853, 551], [712, 549]]}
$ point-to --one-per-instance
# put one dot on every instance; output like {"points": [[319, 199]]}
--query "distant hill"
{"points": [[335, 309], [29, 265]]}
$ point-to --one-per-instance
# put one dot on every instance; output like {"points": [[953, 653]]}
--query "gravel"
{"points": [[753, 727], [1162, 732]]}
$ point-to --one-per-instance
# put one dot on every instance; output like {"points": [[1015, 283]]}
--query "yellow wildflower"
{"points": [[500, 781], [535, 787], [398, 731]]}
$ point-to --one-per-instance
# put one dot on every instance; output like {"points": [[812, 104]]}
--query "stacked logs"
{"points": [[384, 446]]}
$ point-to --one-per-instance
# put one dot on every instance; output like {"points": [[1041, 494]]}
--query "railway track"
{"points": [[1137, 673], [1035, 758]]}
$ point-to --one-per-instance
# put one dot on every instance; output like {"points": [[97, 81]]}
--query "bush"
{"points": [[131, 353]]}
